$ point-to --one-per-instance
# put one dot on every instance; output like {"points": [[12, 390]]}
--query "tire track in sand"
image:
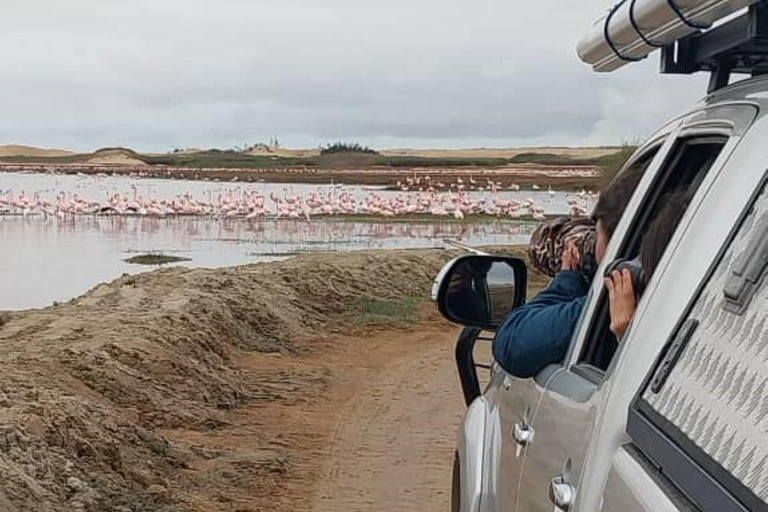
{"points": [[394, 449]]}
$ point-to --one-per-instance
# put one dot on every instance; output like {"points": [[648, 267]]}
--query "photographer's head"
{"points": [[611, 205], [660, 231]]}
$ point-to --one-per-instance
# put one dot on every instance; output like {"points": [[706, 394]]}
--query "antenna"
{"points": [[464, 247]]}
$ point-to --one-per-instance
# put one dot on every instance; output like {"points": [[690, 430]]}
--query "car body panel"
{"points": [[691, 251], [472, 435], [563, 425], [631, 488], [513, 402], [610, 478]]}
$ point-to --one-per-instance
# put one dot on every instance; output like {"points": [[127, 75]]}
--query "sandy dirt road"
{"points": [[233, 390], [393, 449]]}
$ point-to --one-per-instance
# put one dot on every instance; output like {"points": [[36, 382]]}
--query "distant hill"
{"points": [[115, 156], [573, 153], [506, 153], [29, 151], [262, 156]]}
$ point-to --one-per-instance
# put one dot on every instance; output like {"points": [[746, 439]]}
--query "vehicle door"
{"points": [[697, 423], [564, 420], [512, 401]]}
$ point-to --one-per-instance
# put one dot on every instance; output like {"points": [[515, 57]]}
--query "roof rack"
{"points": [[737, 46]]}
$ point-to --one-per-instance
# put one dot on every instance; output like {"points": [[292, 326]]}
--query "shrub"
{"points": [[347, 147]]}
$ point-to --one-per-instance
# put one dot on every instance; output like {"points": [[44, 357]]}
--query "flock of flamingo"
{"points": [[415, 196]]}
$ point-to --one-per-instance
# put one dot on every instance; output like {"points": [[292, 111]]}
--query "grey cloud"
{"points": [[156, 74]]}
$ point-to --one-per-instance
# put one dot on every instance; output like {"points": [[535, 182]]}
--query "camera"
{"points": [[551, 238], [635, 271], [587, 257]]}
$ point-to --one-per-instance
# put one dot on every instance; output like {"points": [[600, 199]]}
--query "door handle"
{"points": [[522, 433], [562, 493]]}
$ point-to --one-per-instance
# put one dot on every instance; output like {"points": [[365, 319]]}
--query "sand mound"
{"points": [[29, 151], [115, 156], [90, 385], [264, 150], [114, 160]]}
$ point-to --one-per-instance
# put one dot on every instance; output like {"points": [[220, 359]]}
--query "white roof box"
{"points": [[632, 29]]}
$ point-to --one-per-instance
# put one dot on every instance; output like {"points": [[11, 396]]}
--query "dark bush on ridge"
{"points": [[347, 147]]}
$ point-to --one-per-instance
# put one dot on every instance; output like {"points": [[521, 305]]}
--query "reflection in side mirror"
{"points": [[481, 290]]}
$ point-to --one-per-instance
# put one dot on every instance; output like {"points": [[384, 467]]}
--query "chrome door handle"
{"points": [[562, 493], [522, 434]]}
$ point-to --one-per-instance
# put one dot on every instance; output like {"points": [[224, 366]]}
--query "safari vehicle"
{"points": [[675, 416]]}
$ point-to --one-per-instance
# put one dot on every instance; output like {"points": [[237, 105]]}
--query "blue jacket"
{"points": [[538, 333]]}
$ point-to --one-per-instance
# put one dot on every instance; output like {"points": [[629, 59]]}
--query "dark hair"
{"points": [[660, 231], [614, 199]]}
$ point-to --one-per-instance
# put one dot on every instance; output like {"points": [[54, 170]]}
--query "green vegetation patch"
{"points": [[347, 147], [154, 259], [399, 312]]}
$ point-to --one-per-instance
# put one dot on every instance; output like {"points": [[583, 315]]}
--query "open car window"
{"points": [[684, 170]]}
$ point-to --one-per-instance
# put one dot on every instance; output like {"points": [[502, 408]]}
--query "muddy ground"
{"points": [[231, 390]]}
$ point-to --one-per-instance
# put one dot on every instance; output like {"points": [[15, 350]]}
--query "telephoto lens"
{"points": [[550, 239], [588, 257]]}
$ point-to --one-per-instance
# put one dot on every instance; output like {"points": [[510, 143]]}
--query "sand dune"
{"points": [[16, 150], [574, 152], [115, 157]]}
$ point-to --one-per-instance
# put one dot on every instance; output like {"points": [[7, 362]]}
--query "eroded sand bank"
{"points": [[179, 389]]}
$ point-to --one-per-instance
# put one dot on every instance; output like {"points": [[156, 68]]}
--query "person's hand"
{"points": [[621, 295], [571, 258]]}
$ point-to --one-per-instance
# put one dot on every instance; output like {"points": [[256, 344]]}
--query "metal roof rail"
{"points": [[737, 46]]}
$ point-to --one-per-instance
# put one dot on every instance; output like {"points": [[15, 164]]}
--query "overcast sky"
{"points": [[159, 74]]}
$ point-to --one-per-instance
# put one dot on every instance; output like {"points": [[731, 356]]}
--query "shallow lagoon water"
{"points": [[45, 260], [42, 261]]}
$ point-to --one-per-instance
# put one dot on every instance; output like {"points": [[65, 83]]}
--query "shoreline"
{"points": [[562, 177], [423, 218]]}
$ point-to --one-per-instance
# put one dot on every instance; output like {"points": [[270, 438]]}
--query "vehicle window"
{"points": [[680, 177], [707, 397]]}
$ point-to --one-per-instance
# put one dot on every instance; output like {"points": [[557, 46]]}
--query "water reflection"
{"points": [[46, 260]]}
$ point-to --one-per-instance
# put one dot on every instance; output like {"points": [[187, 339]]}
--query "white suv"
{"points": [[675, 416]]}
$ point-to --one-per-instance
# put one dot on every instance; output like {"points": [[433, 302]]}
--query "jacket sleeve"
{"points": [[538, 333]]}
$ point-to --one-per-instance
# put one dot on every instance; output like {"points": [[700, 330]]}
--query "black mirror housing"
{"points": [[480, 290]]}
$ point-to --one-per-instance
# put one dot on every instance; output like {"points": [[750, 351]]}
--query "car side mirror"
{"points": [[480, 290]]}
